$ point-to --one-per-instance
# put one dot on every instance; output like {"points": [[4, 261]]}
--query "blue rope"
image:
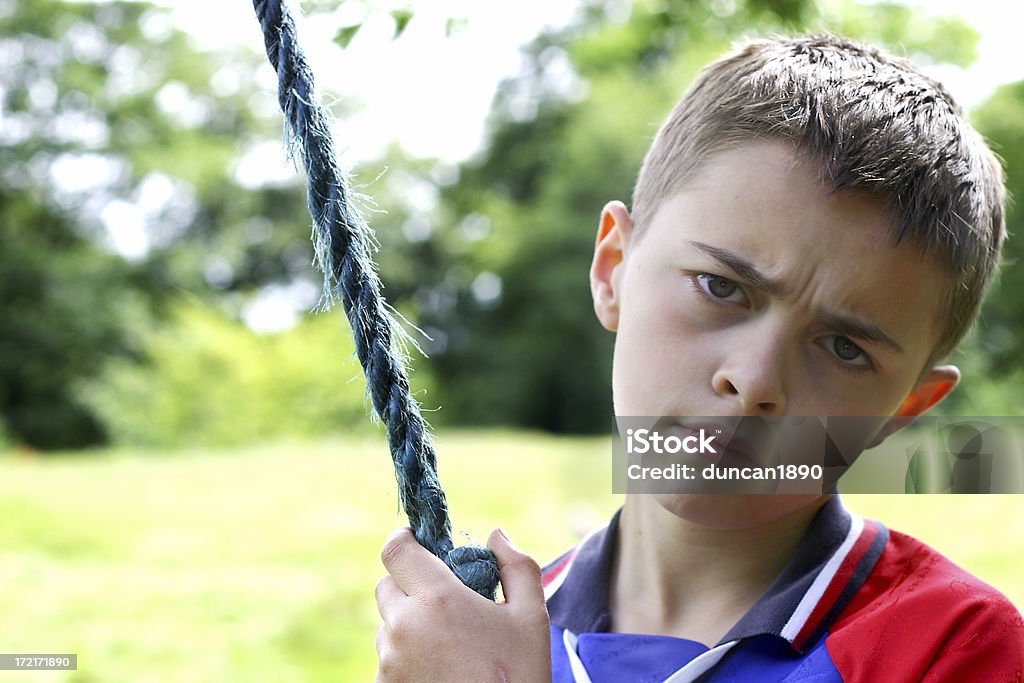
{"points": [[343, 244]]}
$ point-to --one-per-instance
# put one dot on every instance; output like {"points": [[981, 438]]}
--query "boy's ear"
{"points": [[932, 388], [609, 253]]}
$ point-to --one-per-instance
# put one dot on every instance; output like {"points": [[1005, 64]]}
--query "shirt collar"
{"points": [[829, 566]]}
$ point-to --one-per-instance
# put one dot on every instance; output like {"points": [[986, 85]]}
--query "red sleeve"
{"points": [[986, 645], [919, 617]]}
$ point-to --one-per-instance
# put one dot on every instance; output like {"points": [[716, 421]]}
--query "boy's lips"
{"points": [[732, 449]]}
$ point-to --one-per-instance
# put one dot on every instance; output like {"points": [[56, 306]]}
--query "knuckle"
{"points": [[401, 630], [435, 610], [393, 547], [378, 590], [525, 563], [435, 601], [388, 668], [428, 604], [531, 564]]}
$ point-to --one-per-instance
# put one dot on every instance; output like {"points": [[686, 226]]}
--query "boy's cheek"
{"points": [[659, 364]]}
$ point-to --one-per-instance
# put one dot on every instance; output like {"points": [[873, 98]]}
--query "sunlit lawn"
{"points": [[259, 564]]}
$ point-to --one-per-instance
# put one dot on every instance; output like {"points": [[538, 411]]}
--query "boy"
{"points": [[813, 228]]}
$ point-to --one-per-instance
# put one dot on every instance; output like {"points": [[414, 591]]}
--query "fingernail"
{"points": [[504, 535]]}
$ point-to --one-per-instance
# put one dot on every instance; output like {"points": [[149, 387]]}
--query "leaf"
{"points": [[345, 35], [401, 17]]}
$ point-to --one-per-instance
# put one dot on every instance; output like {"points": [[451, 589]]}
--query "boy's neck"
{"points": [[673, 577]]}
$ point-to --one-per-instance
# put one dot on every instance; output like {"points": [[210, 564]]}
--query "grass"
{"points": [[259, 564]]}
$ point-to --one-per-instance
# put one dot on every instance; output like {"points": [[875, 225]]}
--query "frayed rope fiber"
{"points": [[343, 244]]}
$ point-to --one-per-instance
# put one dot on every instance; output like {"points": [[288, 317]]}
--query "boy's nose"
{"points": [[752, 375]]}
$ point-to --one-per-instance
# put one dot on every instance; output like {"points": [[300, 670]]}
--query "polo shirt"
{"points": [[856, 603]]}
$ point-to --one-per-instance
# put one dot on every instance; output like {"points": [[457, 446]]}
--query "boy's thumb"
{"points": [[520, 574]]}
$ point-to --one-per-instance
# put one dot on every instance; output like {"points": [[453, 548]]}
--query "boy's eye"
{"points": [[719, 287], [846, 351]]}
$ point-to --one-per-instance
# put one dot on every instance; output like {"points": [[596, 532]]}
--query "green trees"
{"points": [[999, 119], [123, 185], [993, 351], [118, 149], [207, 380]]}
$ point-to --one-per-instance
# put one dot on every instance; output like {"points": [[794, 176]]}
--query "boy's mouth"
{"points": [[724, 444], [735, 443]]}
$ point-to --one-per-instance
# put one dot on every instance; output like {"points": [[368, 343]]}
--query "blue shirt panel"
{"points": [[769, 659], [633, 658]]}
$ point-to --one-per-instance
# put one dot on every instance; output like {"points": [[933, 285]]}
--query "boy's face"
{"points": [[754, 291]]}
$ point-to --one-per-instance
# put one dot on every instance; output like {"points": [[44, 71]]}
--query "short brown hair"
{"points": [[874, 124]]}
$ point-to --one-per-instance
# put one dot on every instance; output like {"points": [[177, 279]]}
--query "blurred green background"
{"points": [[190, 485], [259, 563]]}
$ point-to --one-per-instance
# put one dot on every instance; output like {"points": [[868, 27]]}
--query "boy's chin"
{"points": [[736, 511]]}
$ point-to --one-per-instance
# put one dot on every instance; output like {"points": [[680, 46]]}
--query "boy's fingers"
{"points": [[388, 595], [520, 574], [414, 568]]}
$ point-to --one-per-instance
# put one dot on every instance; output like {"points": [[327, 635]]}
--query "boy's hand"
{"points": [[436, 629]]}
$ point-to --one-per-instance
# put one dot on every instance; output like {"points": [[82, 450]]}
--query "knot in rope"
{"points": [[343, 245]]}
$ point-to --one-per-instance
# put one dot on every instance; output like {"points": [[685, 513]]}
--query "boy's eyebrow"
{"points": [[744, 269], [845, 325], [851, 327]]}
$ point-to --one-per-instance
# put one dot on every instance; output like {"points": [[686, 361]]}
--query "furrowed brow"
{"points": [[858, 329], [845, 325], [743, 268]]}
